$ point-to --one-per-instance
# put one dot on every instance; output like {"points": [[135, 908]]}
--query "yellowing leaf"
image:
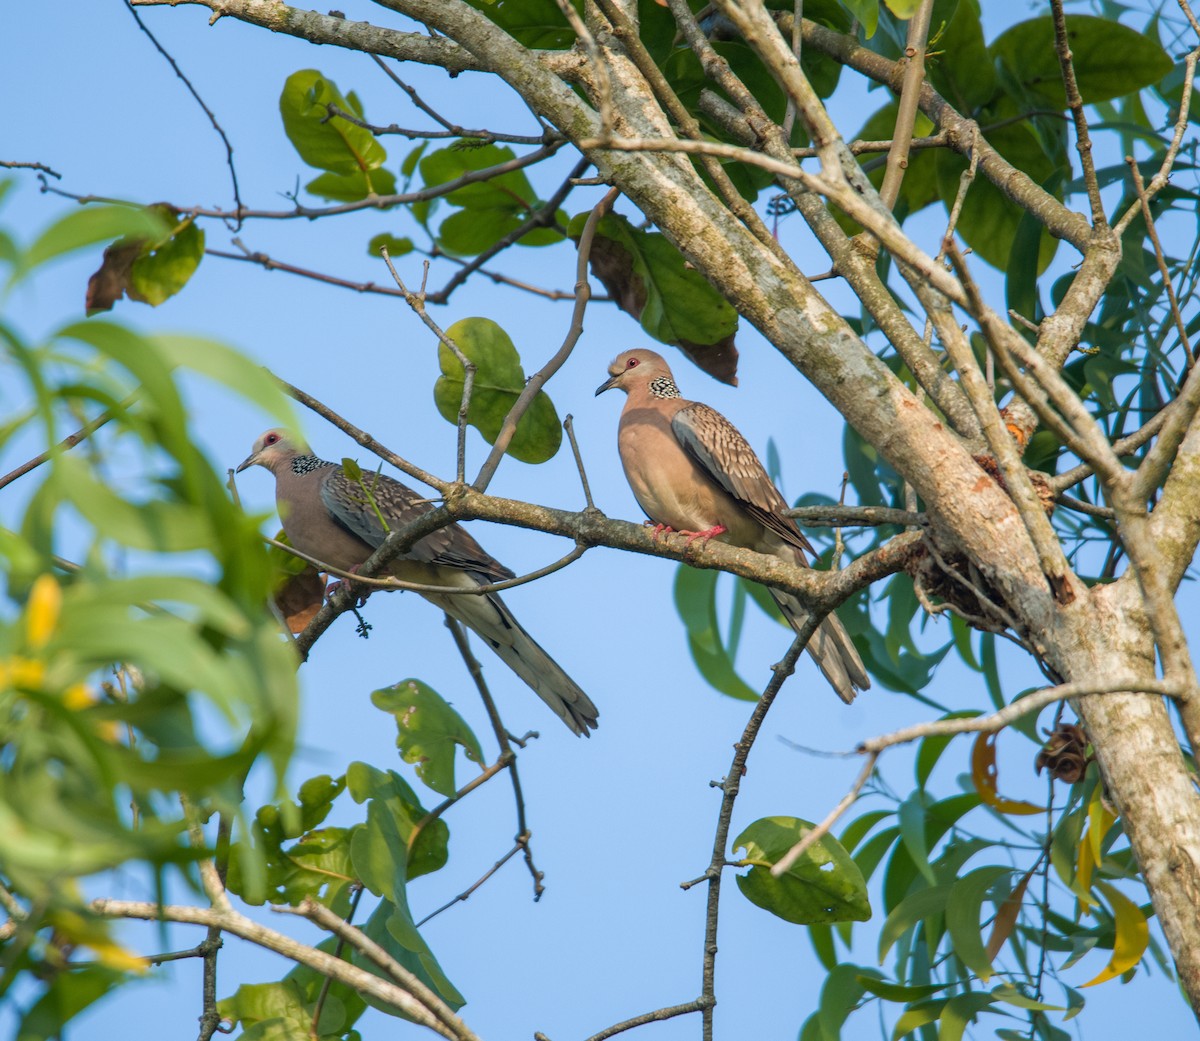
{"points": [[1100, 820], [41, 613], [984, 775], [1006, 917], [1132, 935], [22, 672]]}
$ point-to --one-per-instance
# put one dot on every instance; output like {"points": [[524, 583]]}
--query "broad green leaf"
{"points": [[353, 186], [648, 278], [1132, 935], [1110, 59], [230, 368], [499, 380], [840, 995], [1009, 994], [427, 851], [92, 224], [161, 272], [903, 9], [962, 918], [328, 143], [270, 1011], [537, 24], [430, 732], [68, 994], [963, 71], [695, 600], [824, 885], [918, 1015], [396, 247], [866, 12]]}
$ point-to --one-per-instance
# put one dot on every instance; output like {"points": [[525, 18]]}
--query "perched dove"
{"points": [[332, 518], [691, 471]]}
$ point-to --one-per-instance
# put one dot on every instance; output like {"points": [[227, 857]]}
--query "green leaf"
{"points": [[962, 918], [959, 1011], [914, 908], [68, 994], [270, 1011], [866, 12], [328, 143], [1110, 59], [649, 279], [903, 9], [158, 274], [695, 600], [912, 815], [428, 851], [964, 72], [93, 224], [231, 369], [430, 732], [490, 208], [396, 247], [354, 186], [537, 24], [824, 885], [499, 380]]}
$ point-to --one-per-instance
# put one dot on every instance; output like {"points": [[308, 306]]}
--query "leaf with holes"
{"points": [[430, 732], [824, 885]]}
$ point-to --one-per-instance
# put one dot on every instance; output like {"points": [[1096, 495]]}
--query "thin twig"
{"points": [[506, 751], [1083, 140], [539, 379], [14, 164], [417, 302], [237, 198], [466, 893], [906, 114], [1180, 326], [355, 897], [68, 442], [569, 427], [822, 829], [729, 788]]}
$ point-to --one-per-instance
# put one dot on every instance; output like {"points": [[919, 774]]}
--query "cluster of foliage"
{"points": [[136, 699]]}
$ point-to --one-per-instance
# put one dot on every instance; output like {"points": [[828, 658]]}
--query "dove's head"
{"points": [[272, 449], [636, 368]]}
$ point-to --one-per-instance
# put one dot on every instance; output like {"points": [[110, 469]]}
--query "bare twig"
{"points": [[68, 442], [237, 198], [466, 893], [417, 302], [1180, 326], [569, 427], [447, 1022], [14, 164], [1034, 702], [729, 788], [1083, 140], [822, 829], [544, 216], [506, 751], [906, 115]]}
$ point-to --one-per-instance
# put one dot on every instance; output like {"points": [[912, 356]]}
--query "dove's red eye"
{"points": [[631, 363], [272, 438]]}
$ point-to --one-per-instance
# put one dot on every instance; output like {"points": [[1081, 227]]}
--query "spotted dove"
{"points": [[331, 517], [691, 471]]}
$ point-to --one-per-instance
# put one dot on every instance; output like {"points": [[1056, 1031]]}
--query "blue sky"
{"points": [[618, 821]]}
